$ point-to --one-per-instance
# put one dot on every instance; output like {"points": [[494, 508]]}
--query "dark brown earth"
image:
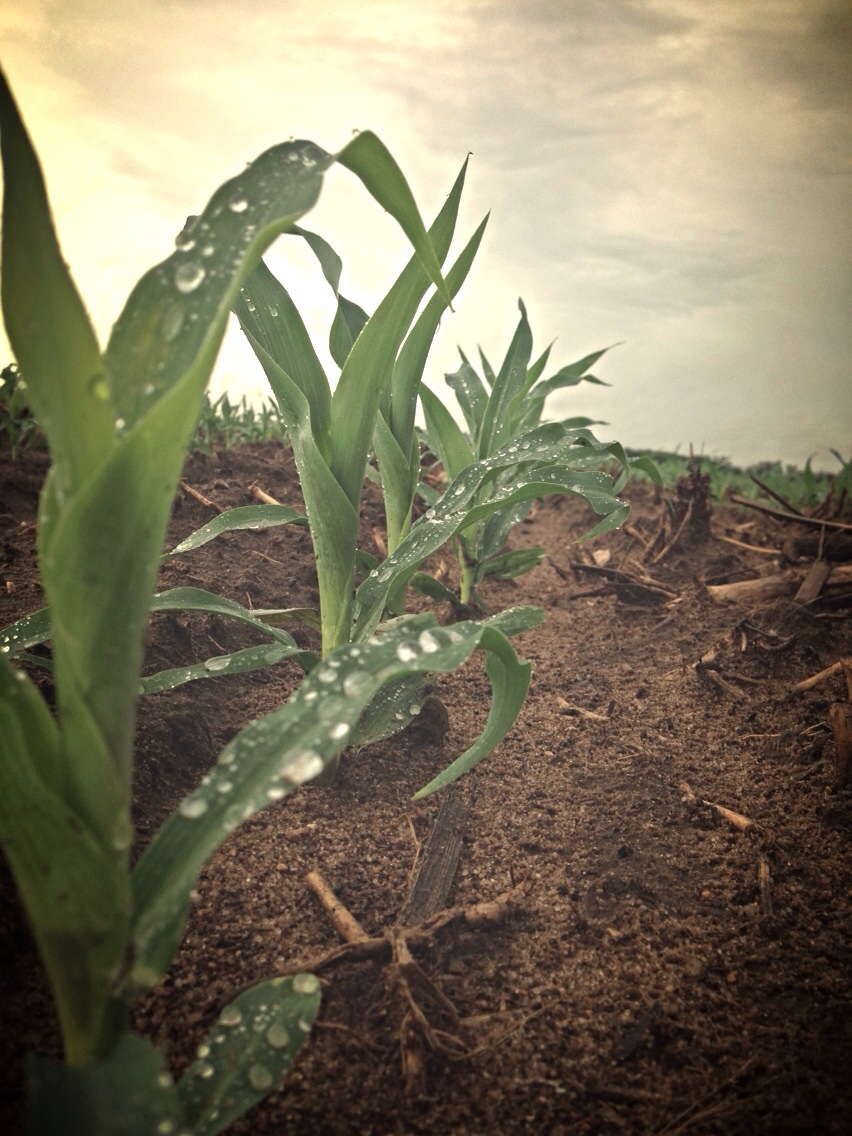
{"points": [[667, 971]]}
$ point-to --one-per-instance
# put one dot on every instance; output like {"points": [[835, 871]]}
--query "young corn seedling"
{"points": [[117, 424], [503, 416]]}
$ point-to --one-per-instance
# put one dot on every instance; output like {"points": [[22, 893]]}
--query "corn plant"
{"points": [[117, 423], [503, 415], [16, 420]]}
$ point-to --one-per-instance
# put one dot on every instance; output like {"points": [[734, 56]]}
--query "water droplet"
{"points": [[338, 733], [165, 1128], [120, 424], [219, 664], [304, 765], [188, 276], [224, 787], [192, 807], [231, 1016], [260, 1078], [171, 321], [208, 250], [273, 312], [355, 683], [276, 793], [238, 205], [406, 654], [204, 1070], [428, 643], [277, 1036], [325, 674], [165, 1080], [202, 1051], [226, 757], [99, 387], [414, 709], [306, 984]]}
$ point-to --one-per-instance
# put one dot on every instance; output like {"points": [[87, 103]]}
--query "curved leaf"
{"points": [[248, 1052], [243, 517]]}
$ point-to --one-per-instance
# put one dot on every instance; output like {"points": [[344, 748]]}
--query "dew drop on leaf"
{"points": [[188, 276], [192, 807], [218, 664], [238, 205], [355, 683], [204, 1070], [171, 322], [231, 1016], [406, 654], [260, 1078], [306, 984], [277, 1036], [428, 643], [304, 765], [99, 387]]}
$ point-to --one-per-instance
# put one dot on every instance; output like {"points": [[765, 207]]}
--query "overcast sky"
{"points": [[671, 175]]}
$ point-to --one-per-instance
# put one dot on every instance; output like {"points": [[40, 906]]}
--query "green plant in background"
{"points": [[117, 425], [503, 415], [16, 420], [226, 424], [372, 404]]}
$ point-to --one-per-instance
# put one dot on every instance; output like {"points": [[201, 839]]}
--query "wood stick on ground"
{"points": [[772, 587], [740, 822], [808, 684], [440, 858], [484, 914], [676, 535], [764, 881], [751, 547], [814, 581], [776, 496], [840, 720], [187, 488], [796, 518], [261, 495], [345, 923]]}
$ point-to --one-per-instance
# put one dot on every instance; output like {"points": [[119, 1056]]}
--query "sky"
{"points": [[673, 177]]}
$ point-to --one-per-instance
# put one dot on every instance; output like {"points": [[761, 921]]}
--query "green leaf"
{"points": [[498, 421], [248, 1052], [46, 321], [445, 436], [368, 158], [238, 662], [428, 586], [510, 680], [129, 1093], [508, 565], [271, 321], [74, 891], [471, 396], [541, 459], [244, 517]]}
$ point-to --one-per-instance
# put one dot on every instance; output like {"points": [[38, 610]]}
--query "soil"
{"points": [[668, 968]]}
